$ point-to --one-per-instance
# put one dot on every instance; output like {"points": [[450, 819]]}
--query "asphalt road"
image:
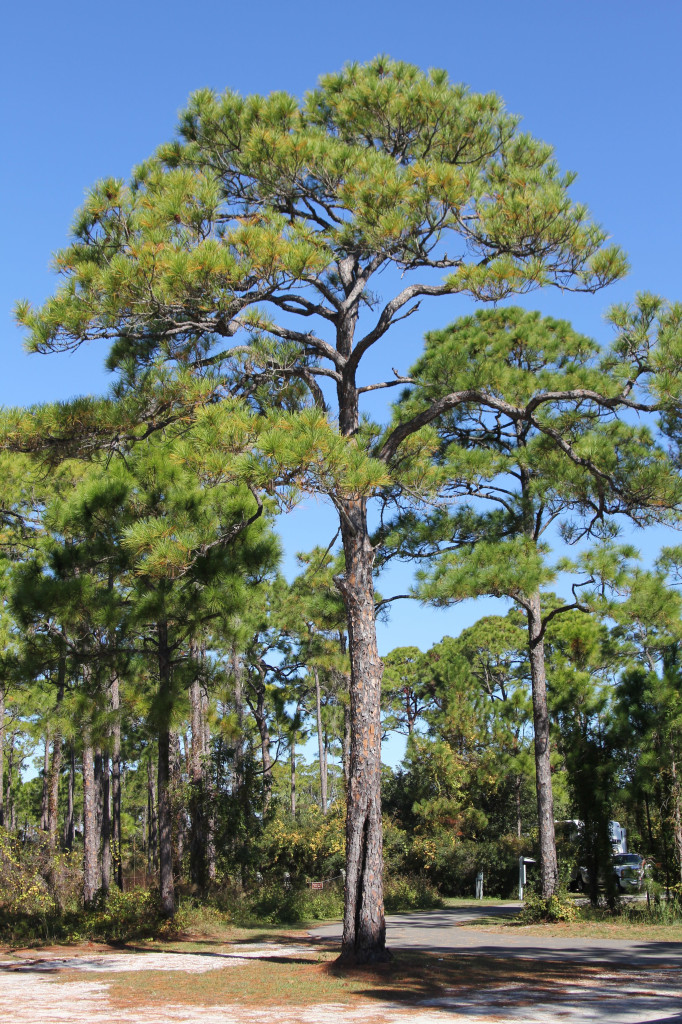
{"points": [[628, 982], [439, 931]]}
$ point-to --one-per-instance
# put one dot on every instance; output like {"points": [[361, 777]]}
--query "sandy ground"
{"points": [[30, 994]]}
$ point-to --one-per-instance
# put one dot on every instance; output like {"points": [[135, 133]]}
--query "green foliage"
{"points": [[410, 892], [35, 881], [559, 907], [275, 904]]}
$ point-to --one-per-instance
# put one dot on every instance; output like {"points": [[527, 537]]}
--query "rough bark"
{"points": [[292, 768], [677, 814], [116, 783], [197, 800], [152, 825], [69, 824], [177, 806], [9, 801], [55, 769], [345, 745], [90, 831], [259, 713], [320, 743], [46, 773], [2, 755], [106, 822], [208, 786], [549, 871], [165, 813], [364, 928], [237, 674]]}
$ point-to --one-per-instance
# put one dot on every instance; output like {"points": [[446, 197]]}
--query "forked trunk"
{"points": [[364, 927], [549, 872]]}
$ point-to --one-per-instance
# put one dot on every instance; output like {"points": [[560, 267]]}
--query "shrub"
{"points": [[410, 892], [559, 907]]}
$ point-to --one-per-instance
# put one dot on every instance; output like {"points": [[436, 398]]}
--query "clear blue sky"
{"points": [[90, 89]]}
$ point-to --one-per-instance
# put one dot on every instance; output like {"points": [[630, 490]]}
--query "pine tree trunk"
{"points": [[46, 773], [55, 765], [116, 783], [69, 825], [9, 802], [197, 852], [549, 871], [258, 711], [345, 746], [90, 833], [165, 814], [106, 823], [209, 795], [677, 815], [2, 755], [364, 928], [237, 673], [152, 841], [292, 767], [320, 743], [177, 806]]}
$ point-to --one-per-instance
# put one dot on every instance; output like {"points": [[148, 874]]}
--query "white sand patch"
{"points": [[193, 963], [30, 994]]}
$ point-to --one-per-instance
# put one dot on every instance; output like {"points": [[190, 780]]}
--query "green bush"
{"points": [[559, 907], [275, 904], [410, 892]]}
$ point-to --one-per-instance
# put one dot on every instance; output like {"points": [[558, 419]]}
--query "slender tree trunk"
{"points": [[2, 755], [166, 884], [116, 782], [69, 824], [549, 871], [677, 816], [46, 773], [238, 674], [152, 842], [320, 742], [259, 713], [198, 867], [9, 802], [209, 793], [345, 746], [177, 804], [90, 832], [106, 823], [364, 928], [292, 767], [518, 782], [99, 807], [55, 770]]}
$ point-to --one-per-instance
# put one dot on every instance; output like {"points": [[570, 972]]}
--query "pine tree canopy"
{"points": [[265, 207]]}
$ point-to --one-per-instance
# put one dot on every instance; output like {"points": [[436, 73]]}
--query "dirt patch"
{"points": [[300, 984]]}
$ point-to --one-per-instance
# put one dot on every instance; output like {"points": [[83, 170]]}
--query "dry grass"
{"points": [[316, 978], [596, 928]]}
